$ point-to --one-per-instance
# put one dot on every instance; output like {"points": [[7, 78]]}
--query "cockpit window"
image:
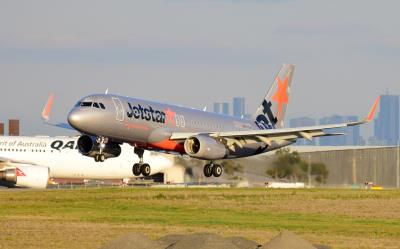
{"points": [[90, 104], [86, 104]]}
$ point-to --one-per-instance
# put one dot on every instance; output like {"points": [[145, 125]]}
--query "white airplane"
{"points": [[32, 161]]}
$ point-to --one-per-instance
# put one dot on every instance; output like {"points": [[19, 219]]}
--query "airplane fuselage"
{"points": [[149, 124]]}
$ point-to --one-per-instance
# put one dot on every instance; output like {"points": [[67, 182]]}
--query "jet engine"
{"points": [[88, 146], [28, 176], [204, 147]]}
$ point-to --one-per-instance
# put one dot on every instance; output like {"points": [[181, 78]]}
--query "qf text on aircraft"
{"points": [[107, 120]]}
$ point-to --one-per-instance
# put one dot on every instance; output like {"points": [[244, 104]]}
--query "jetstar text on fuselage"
{"points": [[149, 114]]}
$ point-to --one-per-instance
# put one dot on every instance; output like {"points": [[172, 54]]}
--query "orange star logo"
{"points": [[280, 95], [170, 116]]}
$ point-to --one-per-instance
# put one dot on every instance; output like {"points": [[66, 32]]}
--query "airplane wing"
{"points": [[46, 115], [279, 135]]}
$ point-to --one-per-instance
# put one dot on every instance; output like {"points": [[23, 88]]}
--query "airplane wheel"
{"points": [[96, 158], [136, 169], [207, 170], [145, 169], [101, 157], [217, 170]]}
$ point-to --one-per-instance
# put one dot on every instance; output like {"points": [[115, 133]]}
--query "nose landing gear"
{"points": [[102, 141], [99, 158]]}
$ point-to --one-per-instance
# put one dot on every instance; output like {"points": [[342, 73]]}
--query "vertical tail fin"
{"points": [[271, 113]]}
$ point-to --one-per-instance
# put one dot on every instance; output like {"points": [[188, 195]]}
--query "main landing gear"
{"points": [[141, 167], [212, 169]]}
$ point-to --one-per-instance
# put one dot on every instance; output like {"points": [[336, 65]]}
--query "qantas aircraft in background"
{"points": [[32, 161], [107, 120]]}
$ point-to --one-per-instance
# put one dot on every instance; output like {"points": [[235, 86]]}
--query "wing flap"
{"points": [[311, 131]]}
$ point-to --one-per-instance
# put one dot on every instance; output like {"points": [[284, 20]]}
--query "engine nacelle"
{"points": [[88, 146], [204, 147], [29, 176]]}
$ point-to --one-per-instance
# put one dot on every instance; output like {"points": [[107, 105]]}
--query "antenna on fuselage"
{"points": [[106, 91]]}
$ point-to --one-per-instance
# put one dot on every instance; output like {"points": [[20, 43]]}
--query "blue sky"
{"points": [[196, 52]]}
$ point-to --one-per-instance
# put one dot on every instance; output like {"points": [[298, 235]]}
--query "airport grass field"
{"points": [[88, 218]]}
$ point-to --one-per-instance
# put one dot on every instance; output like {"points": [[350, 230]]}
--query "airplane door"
{"points": [[119, 108]]}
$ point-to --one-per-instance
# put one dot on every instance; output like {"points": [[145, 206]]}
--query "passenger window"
{"points": [[102, 106], [96, 105], [86, 104]]}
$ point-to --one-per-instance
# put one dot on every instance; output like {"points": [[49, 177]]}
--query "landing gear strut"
{"points": [[141, 167], [102, 141], [212, 169]]}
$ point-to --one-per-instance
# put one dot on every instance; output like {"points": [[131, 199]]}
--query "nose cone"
{"points": [[75, 118]]}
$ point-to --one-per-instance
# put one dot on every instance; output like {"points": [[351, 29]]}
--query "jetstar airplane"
{"points": [[107, 120], [32, 161]]}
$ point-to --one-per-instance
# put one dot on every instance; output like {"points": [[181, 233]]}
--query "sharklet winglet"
{"points": [[47, 109], [370, 116]]}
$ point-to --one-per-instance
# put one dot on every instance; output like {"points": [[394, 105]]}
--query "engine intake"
{"points": [[88, 146], [204, 147]]}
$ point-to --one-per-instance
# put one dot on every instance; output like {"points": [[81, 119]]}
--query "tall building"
{"points": [[225, 108], [13, 127], [238, 107], [386, 125], [301, 122], [352, 134], [1, 129], [217, 107]]}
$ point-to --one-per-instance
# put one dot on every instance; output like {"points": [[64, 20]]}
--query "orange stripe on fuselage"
{"points": [[168, 145]]}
